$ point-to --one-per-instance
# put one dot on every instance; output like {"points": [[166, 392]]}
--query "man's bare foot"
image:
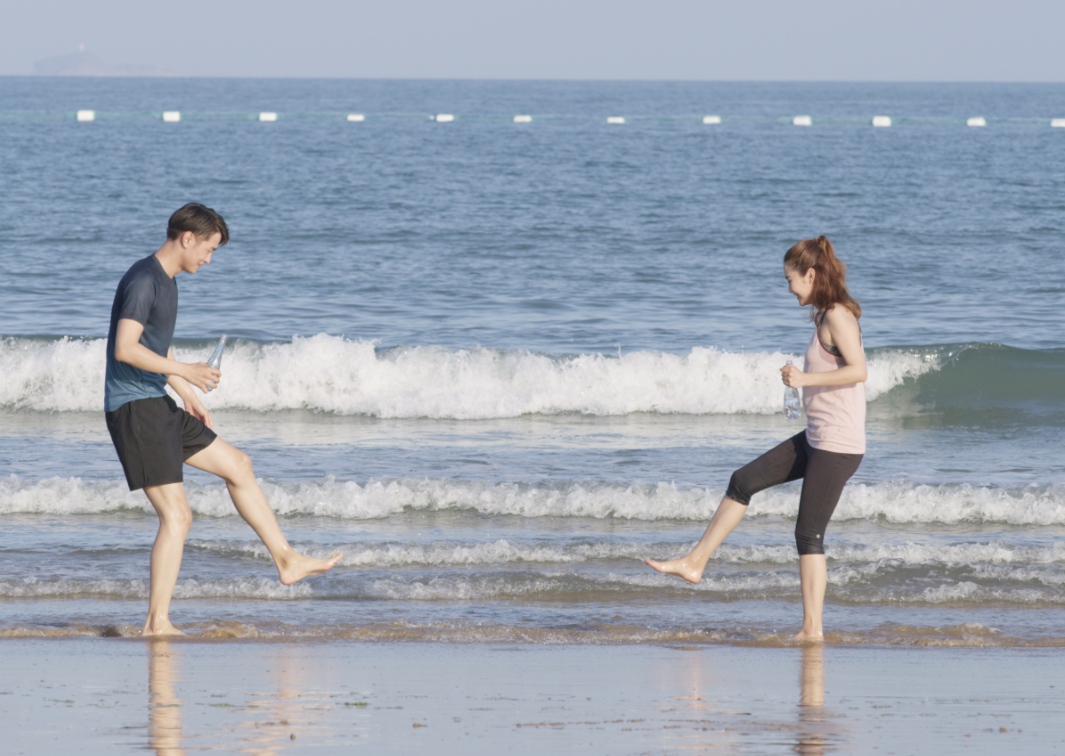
{"points": [[804, 636], [159, 628], [303, 566], [678, 567]]}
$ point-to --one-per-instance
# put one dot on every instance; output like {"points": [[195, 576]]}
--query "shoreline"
{"points": [[885, 635]]}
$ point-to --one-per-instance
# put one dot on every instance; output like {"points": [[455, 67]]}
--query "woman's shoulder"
{"points": [[839, 314]]}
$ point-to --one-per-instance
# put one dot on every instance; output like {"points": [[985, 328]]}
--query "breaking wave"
{"points": [[333, 374], [894, 502]]}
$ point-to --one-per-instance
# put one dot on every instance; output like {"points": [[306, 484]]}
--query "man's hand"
{"points": [[195, 408], [201, 375]]}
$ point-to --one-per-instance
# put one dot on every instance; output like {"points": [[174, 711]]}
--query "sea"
{"points": [[498, 363]]}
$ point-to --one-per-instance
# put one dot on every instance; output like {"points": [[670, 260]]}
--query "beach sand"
{"points": [[107, 696]]}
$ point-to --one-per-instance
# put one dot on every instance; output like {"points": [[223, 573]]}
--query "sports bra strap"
{"points": [[833, 350]]}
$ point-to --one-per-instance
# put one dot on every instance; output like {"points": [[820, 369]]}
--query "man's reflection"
{"points": [[812, 701], [164, 708], [295, 705]]}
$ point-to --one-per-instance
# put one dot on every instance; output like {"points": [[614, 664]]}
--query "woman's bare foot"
{"points": [[303, 566], [158, 628], [678, 567], [808, 636]]}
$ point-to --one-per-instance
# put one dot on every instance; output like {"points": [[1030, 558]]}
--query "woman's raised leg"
{"points": [[786, 461], [690, 567]]}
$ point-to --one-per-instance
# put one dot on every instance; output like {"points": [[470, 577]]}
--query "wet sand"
{"points": [[107, 696]]}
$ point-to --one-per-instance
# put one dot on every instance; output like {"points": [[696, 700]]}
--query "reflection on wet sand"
{"points": [[269, 720], [164, 707], [294, 709], [813, 719]]}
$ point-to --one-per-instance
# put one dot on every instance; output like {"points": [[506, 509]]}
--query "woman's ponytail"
{"points": [[830, 281]]}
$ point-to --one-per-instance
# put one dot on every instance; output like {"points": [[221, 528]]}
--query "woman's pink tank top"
{"points": [[835, 415]]}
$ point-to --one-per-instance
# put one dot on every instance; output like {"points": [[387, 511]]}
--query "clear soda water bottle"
{"points": [[216, 356], [792, 404]]}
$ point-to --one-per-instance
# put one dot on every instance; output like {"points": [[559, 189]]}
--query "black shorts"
{"points": [[153, 438]]}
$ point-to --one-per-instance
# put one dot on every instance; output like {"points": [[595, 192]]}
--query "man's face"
{"points": [[196, 252]]}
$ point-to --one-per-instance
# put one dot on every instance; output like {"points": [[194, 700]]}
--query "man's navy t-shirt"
{"points": [[149, 296]]}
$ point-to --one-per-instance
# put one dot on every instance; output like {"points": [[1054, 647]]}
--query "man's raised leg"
{"points": [[234, 467], [175, 517]]}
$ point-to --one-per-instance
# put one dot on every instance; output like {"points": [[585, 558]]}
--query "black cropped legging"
{"points": [[824, 474]]}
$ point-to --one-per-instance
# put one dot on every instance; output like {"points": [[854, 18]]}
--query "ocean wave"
{"points": [[987, 557], [895, 502], [333, 374], [858, 585], [136, 589]]}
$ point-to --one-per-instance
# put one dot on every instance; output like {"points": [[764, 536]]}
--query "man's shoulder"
{"points": [[146, 270], [145, 266], [141, 284]]}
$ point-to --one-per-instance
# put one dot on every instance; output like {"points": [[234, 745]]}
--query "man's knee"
{"points": [[182, 517], [241, 467], [175, 514]]}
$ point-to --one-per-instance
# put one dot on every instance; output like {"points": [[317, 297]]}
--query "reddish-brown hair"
{"points": [[830, 283]]}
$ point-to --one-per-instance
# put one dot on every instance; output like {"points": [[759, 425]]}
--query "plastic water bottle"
{"points": [[216, 356], [792, 405]]}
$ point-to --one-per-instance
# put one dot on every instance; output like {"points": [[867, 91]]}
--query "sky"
{"points": [[767, 40]]}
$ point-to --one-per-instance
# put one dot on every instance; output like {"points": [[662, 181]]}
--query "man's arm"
{"points": [[180, 375], [193, 405]]}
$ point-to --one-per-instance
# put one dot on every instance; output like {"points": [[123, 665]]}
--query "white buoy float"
{"points": [[977, 121], [268, 116], [1057, 123], [711, 119], [802, 121], [523, 119], [615, 119], [444, 118], [86, 115], [356, 117], [172, 116], [881, 122]]}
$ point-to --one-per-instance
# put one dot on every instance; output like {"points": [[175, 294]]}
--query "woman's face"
{"points": [[802, 286]]}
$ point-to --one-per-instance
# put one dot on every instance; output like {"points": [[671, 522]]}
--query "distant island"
{"points": [[87, 64]]}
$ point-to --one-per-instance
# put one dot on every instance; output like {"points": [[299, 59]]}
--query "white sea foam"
{"points": [[247, 588], [333, 374], [994, 559], [893, 502], [392, 555]]}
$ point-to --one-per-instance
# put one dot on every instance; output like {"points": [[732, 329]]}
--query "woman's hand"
{"points": [[792, 376]]}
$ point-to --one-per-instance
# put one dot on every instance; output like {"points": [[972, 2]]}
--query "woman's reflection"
{"points": [[164, 708], [812, 701]]}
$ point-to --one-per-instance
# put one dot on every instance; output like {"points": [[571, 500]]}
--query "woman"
{"points": [[828, 452]]}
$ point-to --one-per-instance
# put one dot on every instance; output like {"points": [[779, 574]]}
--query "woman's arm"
{"points": [[842, 328]]}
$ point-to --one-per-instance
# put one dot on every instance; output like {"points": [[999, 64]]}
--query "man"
{"points": [[153, 437]]}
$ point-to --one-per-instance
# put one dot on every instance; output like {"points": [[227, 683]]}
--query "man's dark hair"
{"points": [[202, 221]]}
